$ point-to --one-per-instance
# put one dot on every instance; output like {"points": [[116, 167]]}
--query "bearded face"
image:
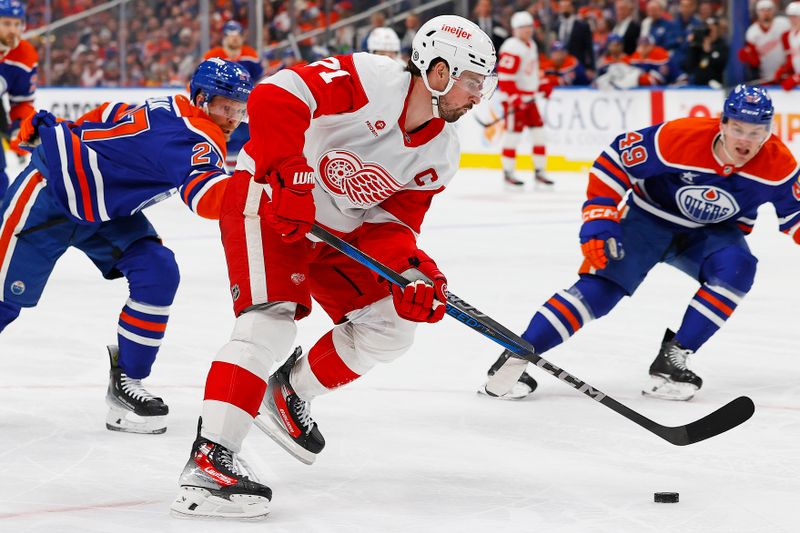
{"points": [[10, 33]]}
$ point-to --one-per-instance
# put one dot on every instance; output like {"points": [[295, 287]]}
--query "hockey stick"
{"points": [[726, 417], [495, 121]]}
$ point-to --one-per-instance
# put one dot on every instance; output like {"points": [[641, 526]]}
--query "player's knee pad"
{"points": [[599, 294], [376, 334], [733, 267], [151, 271], [260, 338]]}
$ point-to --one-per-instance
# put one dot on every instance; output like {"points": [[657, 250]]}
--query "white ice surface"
{"points": [[411, 447]]}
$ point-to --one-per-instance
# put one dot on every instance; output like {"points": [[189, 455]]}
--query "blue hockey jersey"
{"points": [[118, 159], [18, 79], [674, 175]]}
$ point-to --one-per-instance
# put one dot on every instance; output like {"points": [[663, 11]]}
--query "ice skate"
{"points": [[132, 408], [213, 485], [511, 182], [541, 180], [286, 418], [670, 379], [522, 388]]}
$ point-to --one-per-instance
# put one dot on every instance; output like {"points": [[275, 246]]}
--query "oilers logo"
{"points": [[18, 287], [706, 204]]}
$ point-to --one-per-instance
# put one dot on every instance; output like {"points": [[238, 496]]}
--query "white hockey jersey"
{"points": [[344, 116], [768, 43], [518, 67], [791, 47]]}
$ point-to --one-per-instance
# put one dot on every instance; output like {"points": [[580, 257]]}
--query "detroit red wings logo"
{"points": [[364, 184]]}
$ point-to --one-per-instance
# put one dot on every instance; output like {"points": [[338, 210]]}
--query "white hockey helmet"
{"points": [[462, 44], [793, 9], [383, 40], [520, 19]]}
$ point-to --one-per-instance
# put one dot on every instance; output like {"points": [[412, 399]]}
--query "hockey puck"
{"points": [[665, 497]]}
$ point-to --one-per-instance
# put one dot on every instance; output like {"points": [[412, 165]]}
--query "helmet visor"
{"points": [[226, 109], [476, 84]]}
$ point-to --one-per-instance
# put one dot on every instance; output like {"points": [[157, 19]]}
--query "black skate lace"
{"points": [[679, 357], [133, 388]]}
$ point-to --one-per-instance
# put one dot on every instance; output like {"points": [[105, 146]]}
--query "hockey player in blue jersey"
{"points": [[694, 186], [233, 49], [18, 63], [85, 187]]}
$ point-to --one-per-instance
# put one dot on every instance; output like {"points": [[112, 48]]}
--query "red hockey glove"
{"points": [[291, 211], [546, 88], [514, 102], [601, 234], [783, 71], [790, 82], [748, 54], [422, 300]]}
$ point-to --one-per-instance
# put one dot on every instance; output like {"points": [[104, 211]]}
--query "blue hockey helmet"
{"points": [[217, 77], [232, 27], [749, 104], [12, 9]]}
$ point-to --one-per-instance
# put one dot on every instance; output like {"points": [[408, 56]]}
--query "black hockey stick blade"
{"points": [[726, 417], [491, 123]]}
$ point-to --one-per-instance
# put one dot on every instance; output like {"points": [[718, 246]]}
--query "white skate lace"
{"points": [[134, 389], [303, 413], [678, 357]]}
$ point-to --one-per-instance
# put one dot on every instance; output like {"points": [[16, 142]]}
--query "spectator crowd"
{"points": [[606, 43]]}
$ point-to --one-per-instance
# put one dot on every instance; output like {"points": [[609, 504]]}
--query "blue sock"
{"points": [[707, 312], [153, 280], [568, 310]]}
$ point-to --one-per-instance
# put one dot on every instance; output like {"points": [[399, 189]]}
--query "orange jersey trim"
{"points": [[24, 55], [245, 53], [688, 143], [200, 120]]}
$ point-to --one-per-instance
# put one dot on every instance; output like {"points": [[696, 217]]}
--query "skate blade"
{"points": [[519, 391], [197, 502], [274, 430], [119, 419], [666, 389]]}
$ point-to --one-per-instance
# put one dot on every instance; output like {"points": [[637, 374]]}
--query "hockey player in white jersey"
{"points": [[789, 73], [518, 74], [363, 146], [384, 42], [762, 49]]}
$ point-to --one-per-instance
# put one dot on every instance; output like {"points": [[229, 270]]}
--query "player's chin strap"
{"points": [[436, 94]]}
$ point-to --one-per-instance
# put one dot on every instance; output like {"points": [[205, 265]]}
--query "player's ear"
{"points": [[438, 76]]}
